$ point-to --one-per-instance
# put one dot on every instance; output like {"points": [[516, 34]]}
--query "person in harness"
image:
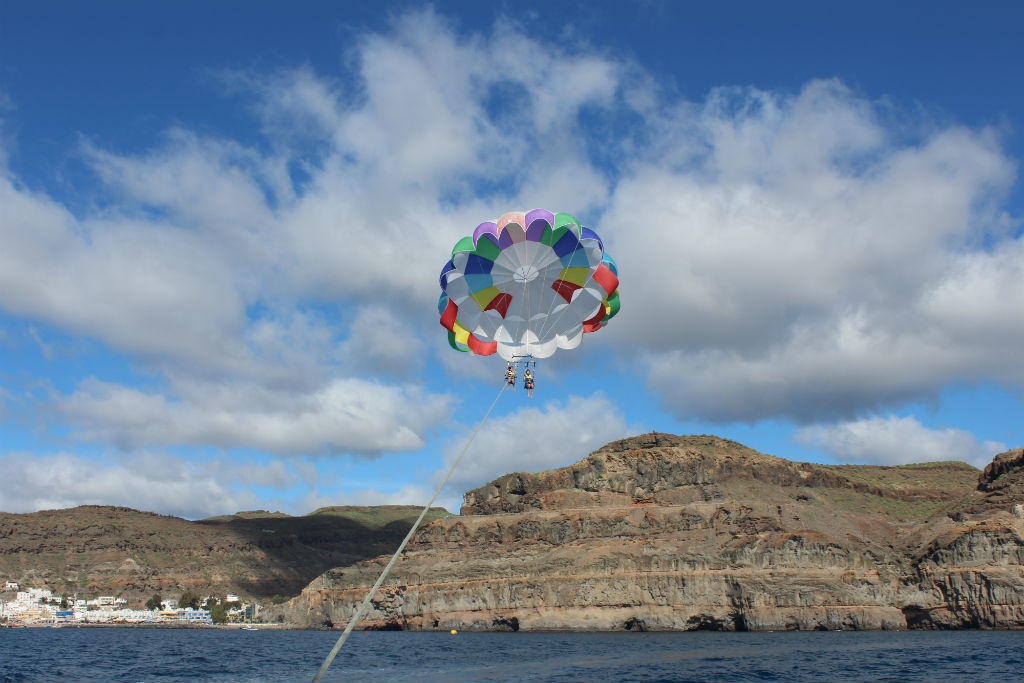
{"points": [[528, 383], [510, 376]]}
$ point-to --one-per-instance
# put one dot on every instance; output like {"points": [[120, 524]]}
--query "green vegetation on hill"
{"points": [[370, 516], [911, 493], [246, 514], [928, 475], [377, 516]]}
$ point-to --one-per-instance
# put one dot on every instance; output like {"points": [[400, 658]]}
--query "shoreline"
{"points": [[222, 627], [294, 627]]}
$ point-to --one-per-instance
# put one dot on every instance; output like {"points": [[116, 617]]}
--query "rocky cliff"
{"points": [[662, 532]]}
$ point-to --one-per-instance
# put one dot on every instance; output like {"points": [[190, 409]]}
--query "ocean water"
{"points": [[190, 655]]}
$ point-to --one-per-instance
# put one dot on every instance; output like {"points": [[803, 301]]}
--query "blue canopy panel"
{"points": [[478, 264]]}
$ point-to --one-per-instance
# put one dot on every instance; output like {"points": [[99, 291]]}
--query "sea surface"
{"points": [[190, 655]]}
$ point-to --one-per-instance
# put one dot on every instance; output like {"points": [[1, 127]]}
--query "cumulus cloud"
{"points": [[792, 255], [380, 340], [977, 304], [145, 288], [893, 440], [344, 416], [806, 261], [148, 481], [185, 487], [207, 254], [533, 439], [211, 260]]}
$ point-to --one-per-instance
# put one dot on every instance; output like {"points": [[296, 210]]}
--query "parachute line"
{"points": [[394, 558], [526, 290], [550, 320]]}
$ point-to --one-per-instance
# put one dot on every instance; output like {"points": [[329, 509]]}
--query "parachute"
{"points": [[527, 284]]}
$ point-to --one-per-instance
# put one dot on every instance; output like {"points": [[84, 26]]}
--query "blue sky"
{"points": [[221, 226]]}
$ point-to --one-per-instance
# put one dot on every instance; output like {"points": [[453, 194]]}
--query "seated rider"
{"points": [[528, 382], [510, 376]]}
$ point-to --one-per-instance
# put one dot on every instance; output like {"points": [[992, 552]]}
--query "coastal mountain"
{"points": [[101, 550], [663, 532]]}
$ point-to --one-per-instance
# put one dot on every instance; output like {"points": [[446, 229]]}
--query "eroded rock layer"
{"points": [[662, 532]]}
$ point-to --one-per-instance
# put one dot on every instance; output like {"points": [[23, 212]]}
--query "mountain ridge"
{"points": [[665, 532], [114, 550]]}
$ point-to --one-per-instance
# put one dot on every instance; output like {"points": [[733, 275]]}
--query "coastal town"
{"points": [[30, 606]]}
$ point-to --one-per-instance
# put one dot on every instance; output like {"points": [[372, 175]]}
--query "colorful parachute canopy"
{"points": [[527, 284]]}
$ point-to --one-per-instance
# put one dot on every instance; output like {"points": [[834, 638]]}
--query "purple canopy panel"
{"points": [[488, 227], [504, 240], [536, 221]]}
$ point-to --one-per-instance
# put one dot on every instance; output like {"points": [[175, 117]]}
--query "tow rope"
{"points": [[394, 558]]}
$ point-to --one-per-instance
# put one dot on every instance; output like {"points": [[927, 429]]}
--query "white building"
{"points": [[34, 595], [107, 602], [11, 586], [29, 606], [198, 616], [124, 616]]}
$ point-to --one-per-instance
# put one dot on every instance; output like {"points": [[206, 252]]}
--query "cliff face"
{"points": [[668, 532]]}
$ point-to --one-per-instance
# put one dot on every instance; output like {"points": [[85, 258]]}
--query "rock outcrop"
{"points": [[663, 532]]}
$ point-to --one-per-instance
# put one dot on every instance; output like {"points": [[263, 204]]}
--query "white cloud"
{"points": [[893, 440], [216, 187], [532, 439], [382, 341], [148, 481], [978, 304], [274, 474], [307, 472], [201, 229], [828, 368], [344, 416], [464, 366], [144, 287], [782, 254], [185, 487], [208, 260], [805, 262]]}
